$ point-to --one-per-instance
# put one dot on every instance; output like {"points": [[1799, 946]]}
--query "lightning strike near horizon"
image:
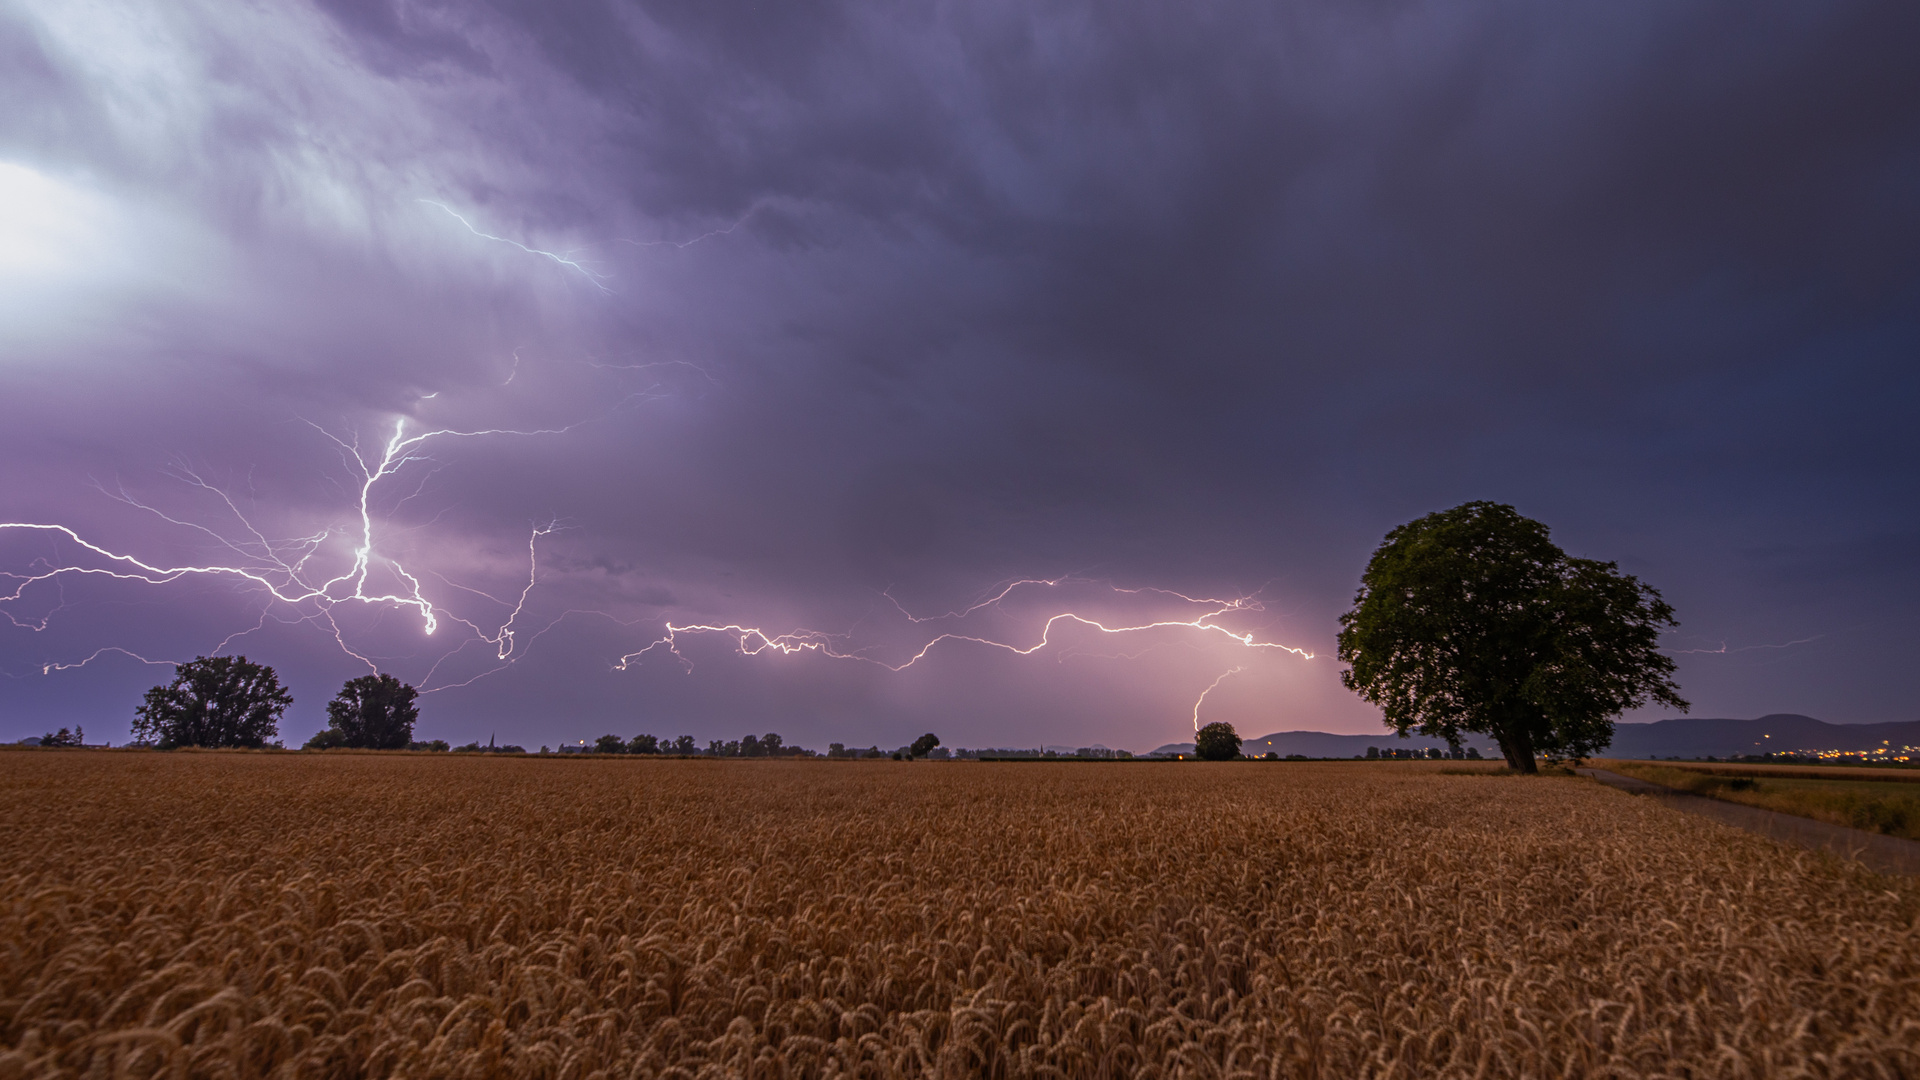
{"points": [[593, 277], [1211, 687], [754, 641], [282, 568]]}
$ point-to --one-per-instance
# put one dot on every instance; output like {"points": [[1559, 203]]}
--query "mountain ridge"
{"points": [[1676, 737]]}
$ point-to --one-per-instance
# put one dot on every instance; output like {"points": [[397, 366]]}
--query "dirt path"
{"points": [[1886, 854]]}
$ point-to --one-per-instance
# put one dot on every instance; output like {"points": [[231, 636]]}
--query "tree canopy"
{"points": [[1473, 620], [1217, 742], [923, 745], [213, 701], [373, 712]]}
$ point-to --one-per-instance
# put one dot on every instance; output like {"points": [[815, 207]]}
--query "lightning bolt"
{"points": [[754, 641], [1723, 650], [593, 278], [283, 569], [306, 578], [1197, 702]]}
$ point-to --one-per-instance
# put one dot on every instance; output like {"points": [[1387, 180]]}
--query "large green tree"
{"points": [[374, 712], [1473, 620], [213, 701]]}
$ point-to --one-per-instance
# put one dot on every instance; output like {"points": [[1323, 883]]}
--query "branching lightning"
{"points": [[309, 576], [284, 569], [754, 641]]}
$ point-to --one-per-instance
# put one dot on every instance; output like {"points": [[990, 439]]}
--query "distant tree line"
{"points": [[474, 747], [770, 744], [1430, 753], [687, 746]]}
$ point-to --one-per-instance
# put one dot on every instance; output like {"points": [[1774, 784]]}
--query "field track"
{"points": [[413, 915], [1782, 772]]}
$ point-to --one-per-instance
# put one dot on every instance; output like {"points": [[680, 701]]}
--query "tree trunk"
{"points": [[1517, 746]]}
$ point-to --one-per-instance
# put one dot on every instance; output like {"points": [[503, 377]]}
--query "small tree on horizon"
{"points": [[213, 701], [1217, 742], [923, 745]]}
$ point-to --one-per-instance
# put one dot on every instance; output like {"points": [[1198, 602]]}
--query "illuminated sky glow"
{"points": [[859, 370]]}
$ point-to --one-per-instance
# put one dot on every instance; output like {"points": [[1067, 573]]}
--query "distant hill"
{"points": [[1685, 737], [1321, 744], [1777, 733]]}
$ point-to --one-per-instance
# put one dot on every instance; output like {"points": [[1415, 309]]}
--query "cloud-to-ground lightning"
{"points": [[593, 277], [753, 641], [286, 570], [1211, 687]]}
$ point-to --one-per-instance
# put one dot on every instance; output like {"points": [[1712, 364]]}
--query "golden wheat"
{"points": [[302, 915], [1870, 804]]}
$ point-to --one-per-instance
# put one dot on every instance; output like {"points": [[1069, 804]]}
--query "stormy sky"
{"points": [[834, 319]]}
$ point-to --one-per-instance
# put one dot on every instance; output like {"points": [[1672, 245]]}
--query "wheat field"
{"points": [[411, 915]]}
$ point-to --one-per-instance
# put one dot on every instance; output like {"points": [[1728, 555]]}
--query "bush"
{"points": [[330, 738]]}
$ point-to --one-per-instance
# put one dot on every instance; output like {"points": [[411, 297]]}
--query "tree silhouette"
{"points": [[1473, 620], [213, 701], [1217, 742], [373, 712]]}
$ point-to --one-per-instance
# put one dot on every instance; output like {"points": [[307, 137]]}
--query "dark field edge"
{"points": [[1892, 774]]}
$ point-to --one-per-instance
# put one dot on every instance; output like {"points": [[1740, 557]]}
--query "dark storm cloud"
{"points": [[920, 298]]}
